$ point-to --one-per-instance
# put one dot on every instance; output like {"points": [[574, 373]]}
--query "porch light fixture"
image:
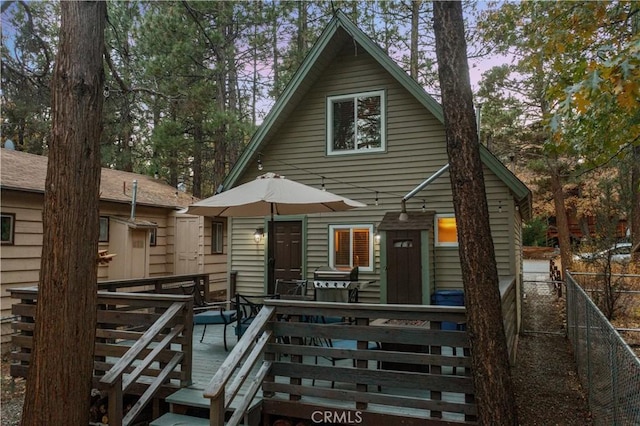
{"points": [[257, 236], [377, 237], [260, 166], [403, 215]]}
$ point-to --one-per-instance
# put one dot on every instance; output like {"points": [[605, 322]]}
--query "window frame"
{"points": [[102, 238], [354, 96], [12, 231], [217, 237], [351, 227], [153, 237], [436, 236]]}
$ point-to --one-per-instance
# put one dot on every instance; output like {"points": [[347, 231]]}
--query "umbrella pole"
{"points": [[271, 253]]}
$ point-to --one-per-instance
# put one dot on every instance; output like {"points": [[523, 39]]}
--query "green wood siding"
{"points": [[416, 149]]}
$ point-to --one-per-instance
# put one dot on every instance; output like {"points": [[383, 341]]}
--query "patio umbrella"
{"points": [[268, 195], [271, 194]]}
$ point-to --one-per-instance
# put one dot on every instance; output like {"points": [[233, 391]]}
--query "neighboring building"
{"points": [[157, 241], [352, 121]]}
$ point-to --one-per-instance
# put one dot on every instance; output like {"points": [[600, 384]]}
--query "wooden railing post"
{"points": [[296, 340], [216, 414], [362, 363], [436, 369], [115, 403]]}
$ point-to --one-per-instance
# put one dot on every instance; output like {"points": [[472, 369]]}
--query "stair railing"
{"points": [[222, 390], [115, 379]]}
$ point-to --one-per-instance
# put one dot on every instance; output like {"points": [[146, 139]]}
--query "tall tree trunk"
{"points": [[415, 10], [562, 222], [196, 164], [489, 353], [61, 370], [635, 202]]}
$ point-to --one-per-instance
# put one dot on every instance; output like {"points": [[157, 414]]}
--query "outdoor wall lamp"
{"points": [[257, 236], [377, 237]]}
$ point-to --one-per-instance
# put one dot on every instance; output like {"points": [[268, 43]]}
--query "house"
{"points": [[353, 122], [152, 239]]}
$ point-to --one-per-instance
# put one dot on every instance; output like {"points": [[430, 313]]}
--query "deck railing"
{"points": [[407, 356], [144, 345], [166, 284]]}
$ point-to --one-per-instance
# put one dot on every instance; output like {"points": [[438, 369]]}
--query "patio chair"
{"points": [[215, 313], [210, 313], [291, 289], [248, 307]]}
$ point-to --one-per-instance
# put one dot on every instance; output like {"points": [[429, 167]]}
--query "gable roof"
{"points": [[21, 171], [338, 31]]}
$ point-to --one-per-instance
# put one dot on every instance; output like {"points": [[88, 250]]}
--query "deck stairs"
{"points": [[188, 406]]}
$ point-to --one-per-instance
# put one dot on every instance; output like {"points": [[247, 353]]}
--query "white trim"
{"points": [[437, 243], [354, 96], [350, 227]]}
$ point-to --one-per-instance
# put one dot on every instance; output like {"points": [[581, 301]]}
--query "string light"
{"points": [[376, 198], [323, 188], [424, 206]]}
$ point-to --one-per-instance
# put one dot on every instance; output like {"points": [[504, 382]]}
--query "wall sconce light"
{"points": [[257, 236], [377, 237], [260, 166]]}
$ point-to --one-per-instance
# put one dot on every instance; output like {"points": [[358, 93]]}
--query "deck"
{"points": [[147, 345]]}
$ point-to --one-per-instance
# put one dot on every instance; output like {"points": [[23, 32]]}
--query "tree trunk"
{"points": [[60, 374], [415, 10], [490, 360], [562, 223], [635, 202]]}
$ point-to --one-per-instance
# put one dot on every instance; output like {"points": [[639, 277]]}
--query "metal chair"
{"points": [[291, 289], [212, 315]]}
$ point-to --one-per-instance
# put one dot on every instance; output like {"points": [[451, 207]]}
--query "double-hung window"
{"points": [[351, 246], [356, 123]]}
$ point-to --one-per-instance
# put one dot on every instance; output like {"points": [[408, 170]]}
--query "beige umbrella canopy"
{"points": [[267, 195], [271, 194]]}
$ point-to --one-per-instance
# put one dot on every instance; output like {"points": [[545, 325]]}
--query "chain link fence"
{"points": [[607, 367]]}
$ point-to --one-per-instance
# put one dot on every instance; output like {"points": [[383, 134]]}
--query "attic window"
{"points": [[356, 123]]}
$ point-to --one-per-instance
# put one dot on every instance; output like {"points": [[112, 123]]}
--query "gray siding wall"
{"points": [[416, 148]]}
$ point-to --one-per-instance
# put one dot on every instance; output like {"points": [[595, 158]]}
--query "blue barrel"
{"points": [[449, 298]]}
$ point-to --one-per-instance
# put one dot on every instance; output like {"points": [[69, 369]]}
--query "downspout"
{"points": [[133, 199]]}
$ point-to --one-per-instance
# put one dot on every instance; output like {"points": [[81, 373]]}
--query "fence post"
{"points": [[587, 332]]}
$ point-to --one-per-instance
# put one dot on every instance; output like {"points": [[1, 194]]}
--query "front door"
{"points": [[186, 245], [139, 256], [288, 252], [404, 267]]}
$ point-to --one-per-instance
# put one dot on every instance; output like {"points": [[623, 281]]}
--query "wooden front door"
{"points": [[186, 239], [139, 258], [288, 252], [404, 267]]}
